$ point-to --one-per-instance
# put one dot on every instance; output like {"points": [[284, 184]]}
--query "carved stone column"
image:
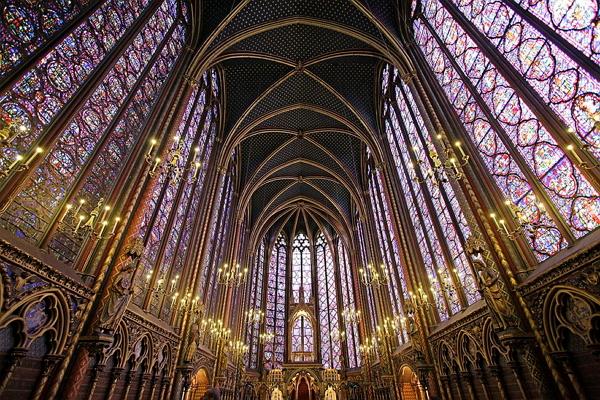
{"points": [[48, 364], [143, 383], [14, 360], [480, 375], [115, 376], [496, 372]]}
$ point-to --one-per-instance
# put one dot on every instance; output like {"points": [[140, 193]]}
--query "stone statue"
{"points": [[192, 347], [120, 290], [494, 294]]}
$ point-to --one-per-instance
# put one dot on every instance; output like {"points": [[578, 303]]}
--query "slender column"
{"points": [[115, 376], [480, 374], [128, 378], [143, 382], [48, 363], [95, 374], [14, 360], [497, 374]]}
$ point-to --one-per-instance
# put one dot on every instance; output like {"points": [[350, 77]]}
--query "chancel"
{"points": [[299, 199]]}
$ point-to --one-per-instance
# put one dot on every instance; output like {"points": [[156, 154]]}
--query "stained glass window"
{"points": [[64, 69], [348, 302], [275, 320], [255, 301], [328, 304], [514, 143], [108, 118], [302, 338], [301, 269], [388, 245]]}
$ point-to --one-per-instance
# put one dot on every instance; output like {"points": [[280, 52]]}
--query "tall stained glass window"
{"points": [[523, 96], [90, 148], [388, 244], [256, 301], [349, 303], [437, 218], [302, 338], [175, 197], [328, 304], [301, 269], [275, 320]]}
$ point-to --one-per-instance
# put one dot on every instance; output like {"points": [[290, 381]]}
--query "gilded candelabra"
{"points": [[96, 222], [232, 275], [371, 276]]}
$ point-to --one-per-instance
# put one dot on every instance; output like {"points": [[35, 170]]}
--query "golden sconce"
{"points": [[371, 276], [21, 162], [524, 223], [170, 165], [97, 222], [231, 275]]}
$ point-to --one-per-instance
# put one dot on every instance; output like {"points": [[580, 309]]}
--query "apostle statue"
{"points": [[120, 289]]}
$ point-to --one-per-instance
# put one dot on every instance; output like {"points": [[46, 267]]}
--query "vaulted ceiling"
{"points": [[300, 82]]}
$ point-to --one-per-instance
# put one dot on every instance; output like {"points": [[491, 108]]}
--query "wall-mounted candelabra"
{"points": [[372, 276], [187, 304], [96, 223], [351, 315], [524, 223], [231, 275], [418, 300], [440, 170], [10, 130], [266, 337], [170, 165], [21, 162], [574, 149], [445, 280], [255, 316]]}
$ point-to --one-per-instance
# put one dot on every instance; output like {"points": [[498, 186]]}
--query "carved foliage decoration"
{"points": [[569, 310]]}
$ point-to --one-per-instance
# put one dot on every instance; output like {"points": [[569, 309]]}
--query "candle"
{"points": [[148, 276], [67, 209], [196, 151], [79, 221], [14, 163], [156, 162], [38, 150], [503, 223], [103, 223], [460, 149], [106, 210], [117, 219], [81, 203], [571, 148], [453, 162], [153, 143], [196, 169]]}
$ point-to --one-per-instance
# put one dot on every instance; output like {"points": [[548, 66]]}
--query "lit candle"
{"points": [[117, 219], [106, 210], [174, 299], [156, 162], [67, 209], [18, 159], [153, 143], [571, 148], [196, 169], [503, 223], [81, 203], [79, 221], [196, 151], [38, 150], [148, 276], [460, 149], [103, 223]]}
